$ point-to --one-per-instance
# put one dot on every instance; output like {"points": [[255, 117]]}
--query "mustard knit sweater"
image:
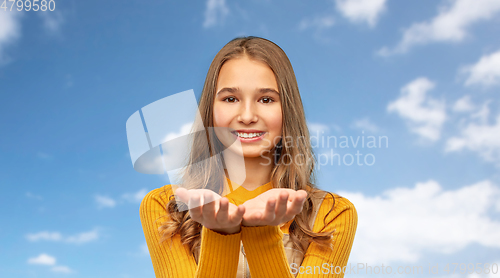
{"points": [[263, 245]]}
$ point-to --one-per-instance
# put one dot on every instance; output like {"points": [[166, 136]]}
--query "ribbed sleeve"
{"points": [[266, 254], [265, 251], [218, 256], [324, 262]]}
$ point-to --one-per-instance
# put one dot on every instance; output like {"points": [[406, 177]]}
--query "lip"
{"points": [[249, 140], [249, 131]]}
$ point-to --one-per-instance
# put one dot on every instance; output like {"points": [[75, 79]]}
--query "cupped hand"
{"points": [[211, 210], [273, 207]]}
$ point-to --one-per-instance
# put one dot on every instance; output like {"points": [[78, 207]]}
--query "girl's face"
{"points": [[247, 100]]}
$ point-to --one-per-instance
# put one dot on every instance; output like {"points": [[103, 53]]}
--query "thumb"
{"points": [[181, 194]]}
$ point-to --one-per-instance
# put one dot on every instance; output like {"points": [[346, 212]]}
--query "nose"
{"points": [[248, 113]]}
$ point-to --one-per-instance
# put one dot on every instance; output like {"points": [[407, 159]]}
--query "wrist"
{"points": [[228, 231]]}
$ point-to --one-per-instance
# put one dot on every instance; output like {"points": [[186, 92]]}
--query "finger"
{"points": [[237, 217], [295, 206], [195, 207], [210, 196], [270, 211], [253, 220], [181, 194], [208, 207], [281, 206], [223, 212], [302, 193]]}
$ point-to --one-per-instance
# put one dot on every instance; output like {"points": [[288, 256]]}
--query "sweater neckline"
{"points": [[240, 193]]}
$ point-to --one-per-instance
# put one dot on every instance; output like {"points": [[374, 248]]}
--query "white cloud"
{"points": [[403, 224], [52, 21], [318, 23], [10, 31], [54, 236], [483, 113], [424, 115], [317, 128], [365, 124], [83, 237], [485, 72], [215, 11], [43, 259], [464, 104], [450, 25], [135, 197], [61, 269], [105, 202], [131, 197], [478, 136], [80, 238], [362, 11], [10, 27]]}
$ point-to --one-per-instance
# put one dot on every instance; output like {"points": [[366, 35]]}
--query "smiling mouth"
{"points": [[248, 135]]}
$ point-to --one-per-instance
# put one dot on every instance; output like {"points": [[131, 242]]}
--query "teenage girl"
{"points": [[276, 223]]}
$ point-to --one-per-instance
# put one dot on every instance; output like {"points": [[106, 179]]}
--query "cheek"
{"points": [[276, 122], [218, 116]]}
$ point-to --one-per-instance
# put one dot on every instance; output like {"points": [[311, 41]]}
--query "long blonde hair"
{"points": [[206, 169]]}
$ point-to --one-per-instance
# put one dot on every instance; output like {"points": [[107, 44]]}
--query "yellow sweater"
{"points": [[263, 245]]}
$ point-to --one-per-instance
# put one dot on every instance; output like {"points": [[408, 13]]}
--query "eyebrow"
{"points": [[235, 89]]}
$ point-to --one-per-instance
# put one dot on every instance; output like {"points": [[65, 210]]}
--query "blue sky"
{"points": [[425, 74]]}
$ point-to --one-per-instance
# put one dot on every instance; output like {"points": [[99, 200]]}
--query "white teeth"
{"points": [[249, 135]]}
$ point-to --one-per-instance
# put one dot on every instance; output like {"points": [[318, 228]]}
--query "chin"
{"points": [[252, 155]]}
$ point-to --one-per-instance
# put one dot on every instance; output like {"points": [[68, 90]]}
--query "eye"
{"points": [[225, 99], [269, 99]]}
